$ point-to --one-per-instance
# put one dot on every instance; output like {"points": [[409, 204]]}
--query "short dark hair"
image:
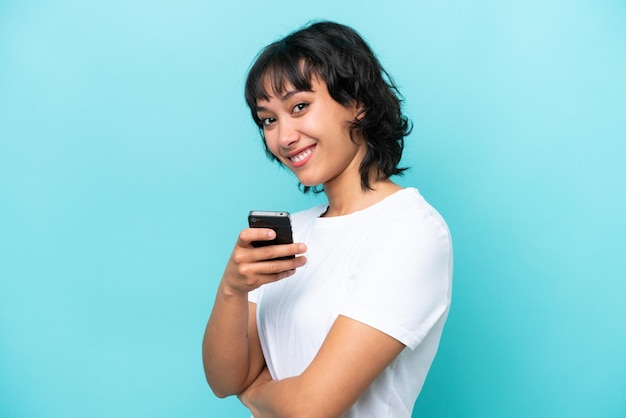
{"points": [[340, 57]]}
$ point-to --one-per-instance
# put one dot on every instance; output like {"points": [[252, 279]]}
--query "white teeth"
{"points": [[301, 156]]}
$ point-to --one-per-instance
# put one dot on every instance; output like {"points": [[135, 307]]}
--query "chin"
{"points": [[309, 182]]}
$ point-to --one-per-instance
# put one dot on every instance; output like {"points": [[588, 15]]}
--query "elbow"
{"points": [[221, 389], [217, 390], [222, 392], [223, 384]]}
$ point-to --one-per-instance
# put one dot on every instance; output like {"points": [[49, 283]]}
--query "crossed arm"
{"points": [[351, 357]]}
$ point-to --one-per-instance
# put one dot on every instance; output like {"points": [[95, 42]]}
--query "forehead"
{"points": [[273, 87], [278, 77], [283, 89]]}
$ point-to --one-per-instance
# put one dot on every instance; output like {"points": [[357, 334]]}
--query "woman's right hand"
{"points": [[231, 350], [250, 267]]}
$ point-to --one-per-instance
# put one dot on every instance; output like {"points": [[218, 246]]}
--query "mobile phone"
{"points": [[280, 222]]}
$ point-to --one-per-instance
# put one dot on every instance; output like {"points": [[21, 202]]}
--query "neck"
{"points": [[351, 198]]}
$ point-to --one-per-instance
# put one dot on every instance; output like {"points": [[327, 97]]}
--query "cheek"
{"points": [[269, 141], [271, 146]]}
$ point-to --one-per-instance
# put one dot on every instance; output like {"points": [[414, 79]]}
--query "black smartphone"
{"points": [[278, 221]]}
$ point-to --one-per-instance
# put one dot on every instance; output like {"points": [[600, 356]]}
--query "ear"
{"points": [[360, 111]]}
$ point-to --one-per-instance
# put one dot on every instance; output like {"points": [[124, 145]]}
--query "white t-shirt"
{"points": [[388, 266]]}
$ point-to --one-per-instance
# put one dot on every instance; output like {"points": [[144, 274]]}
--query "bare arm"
{"points": [[416, 275], [350, 359], [231, 350]]}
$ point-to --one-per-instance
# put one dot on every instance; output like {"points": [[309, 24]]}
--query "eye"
{"points": [[265, 122], [300, 107]]}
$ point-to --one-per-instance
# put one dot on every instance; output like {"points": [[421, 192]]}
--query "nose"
{"points": [[288, 133]]}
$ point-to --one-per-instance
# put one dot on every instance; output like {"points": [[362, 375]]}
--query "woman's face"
{"points": [[309, 132]]}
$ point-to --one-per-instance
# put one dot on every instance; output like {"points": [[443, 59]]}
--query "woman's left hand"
{"points": [[350, 359], [245, 396]]}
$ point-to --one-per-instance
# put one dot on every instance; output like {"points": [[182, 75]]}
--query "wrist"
{"points": [[260, 384], [230, 292]]}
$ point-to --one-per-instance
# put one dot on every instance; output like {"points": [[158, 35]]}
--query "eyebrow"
{"points": [[282, 98]]}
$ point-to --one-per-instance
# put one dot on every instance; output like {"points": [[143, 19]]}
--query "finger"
{"points": [[247, 254], [271, 252], [258, 274], [271, 267], [282, 275], [255, 234], [254, 262], [268, 278]]}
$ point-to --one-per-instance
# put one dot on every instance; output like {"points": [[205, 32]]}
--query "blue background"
{"points": [[128, 162]]}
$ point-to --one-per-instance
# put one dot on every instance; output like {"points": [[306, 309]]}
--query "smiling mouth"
{"points": [[301, 156]]}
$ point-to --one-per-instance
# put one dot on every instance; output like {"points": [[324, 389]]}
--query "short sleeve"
{"points": [[253, 296], [404, 284]]}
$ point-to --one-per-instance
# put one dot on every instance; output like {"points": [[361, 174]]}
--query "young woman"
{"points": [[350, 326]]}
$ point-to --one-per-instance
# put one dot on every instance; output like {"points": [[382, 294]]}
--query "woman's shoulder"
{"points": [[407, 202], [407, 210]]}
